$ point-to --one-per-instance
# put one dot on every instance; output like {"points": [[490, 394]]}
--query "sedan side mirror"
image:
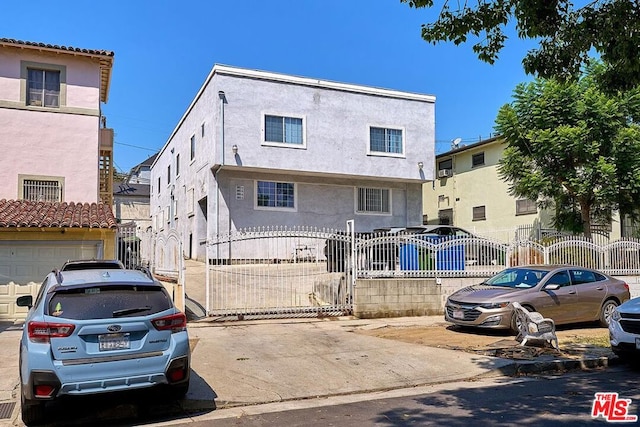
{"points": [[551, 287], [25, 301]]}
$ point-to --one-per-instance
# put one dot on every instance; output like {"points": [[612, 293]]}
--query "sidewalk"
{"points": [[249, 363]]}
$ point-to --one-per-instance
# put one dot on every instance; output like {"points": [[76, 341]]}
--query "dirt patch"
{"points": [[574, 341]]}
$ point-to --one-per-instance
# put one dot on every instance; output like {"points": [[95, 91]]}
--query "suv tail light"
{"points": [[175, 322], [43, 331]]}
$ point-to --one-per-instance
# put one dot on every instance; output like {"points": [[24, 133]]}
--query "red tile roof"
{"points": [[57, 47], [22, 213]]}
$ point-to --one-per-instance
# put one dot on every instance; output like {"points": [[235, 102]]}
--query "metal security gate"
{"points": [[128, 245], [279, 272]]}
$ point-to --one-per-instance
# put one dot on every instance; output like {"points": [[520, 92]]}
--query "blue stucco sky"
{"points": [[165, 49]]}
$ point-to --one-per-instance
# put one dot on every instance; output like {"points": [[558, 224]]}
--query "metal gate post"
{"points": [[351, 230]]}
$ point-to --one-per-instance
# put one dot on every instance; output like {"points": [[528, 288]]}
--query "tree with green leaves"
{"points": [[566, 34], [573, 147]]}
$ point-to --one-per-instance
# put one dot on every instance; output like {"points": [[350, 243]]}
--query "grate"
{"points": [[6, 409]]}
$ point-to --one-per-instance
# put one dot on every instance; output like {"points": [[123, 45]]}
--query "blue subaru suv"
{"points": [[98, 331]]}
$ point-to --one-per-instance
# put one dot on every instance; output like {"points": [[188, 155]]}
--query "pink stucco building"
{"points": [[56, 171]]}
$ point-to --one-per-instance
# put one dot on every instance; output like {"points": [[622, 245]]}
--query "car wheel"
{"points": [[516, 325], [32, 412], [606, 312]]}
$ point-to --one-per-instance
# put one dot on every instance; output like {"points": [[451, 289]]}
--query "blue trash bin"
{"points": [[408, 257]]}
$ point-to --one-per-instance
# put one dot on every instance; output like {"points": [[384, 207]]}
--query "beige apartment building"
{"points": [[468, 193]]}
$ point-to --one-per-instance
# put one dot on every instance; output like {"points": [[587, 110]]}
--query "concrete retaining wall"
{"points": [[378, 298]]}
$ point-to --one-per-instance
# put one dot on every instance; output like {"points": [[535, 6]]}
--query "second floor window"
{"points": [[373, 200], [477, 159], [383, 140], [285, 130], [41, 190], [479, 213], [43, 88], [177, 165], [525, 207], [271, 194], [168, 174], [193, 147]]}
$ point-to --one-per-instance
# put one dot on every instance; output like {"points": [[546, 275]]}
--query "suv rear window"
{"points": [[105, 302]]}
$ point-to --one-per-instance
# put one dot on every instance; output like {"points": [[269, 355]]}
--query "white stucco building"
{"points": [[258, 148]]}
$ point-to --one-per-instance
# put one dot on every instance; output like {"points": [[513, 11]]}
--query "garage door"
{"points": [[22, 262]]}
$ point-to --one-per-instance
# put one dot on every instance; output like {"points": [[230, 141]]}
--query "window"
{"points": [[526, 207], [479, 213], [106, 302], [40, 188], [477, 159], [284, 130], [445, 164], [193, 147], [582, 276], [202, 130], [271, 194], [43, 88], [445, 216], [383, 140], [561, 278], [177, 165], [373, 200], [158, 186], [190, 201], [168, 174]]}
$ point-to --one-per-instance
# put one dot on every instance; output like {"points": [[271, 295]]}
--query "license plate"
{"points": [[458, 314], [637, 343], [113, 342]]}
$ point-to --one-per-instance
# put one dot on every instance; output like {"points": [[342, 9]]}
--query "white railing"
{"points": [[415, 255]]}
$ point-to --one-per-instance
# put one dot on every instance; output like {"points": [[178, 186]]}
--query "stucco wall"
{"points": [[55, 142], [333, 158]]}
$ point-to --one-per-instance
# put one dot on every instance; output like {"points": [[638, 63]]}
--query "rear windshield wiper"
{"points": [[132, 310]]}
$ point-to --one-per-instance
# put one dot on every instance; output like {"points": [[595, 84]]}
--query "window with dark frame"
{"points": [[479, 213], [168, 174], [477, 159], [373, 200], [193, 147], [445, 164], [177, 165], [526, 207]]}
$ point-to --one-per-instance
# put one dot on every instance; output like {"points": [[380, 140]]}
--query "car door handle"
{"points": [[572, 292], [599, 288]]}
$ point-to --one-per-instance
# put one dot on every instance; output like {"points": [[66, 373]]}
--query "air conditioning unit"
{"points": [[445, 173]]}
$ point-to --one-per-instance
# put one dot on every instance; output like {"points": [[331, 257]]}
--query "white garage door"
{"points": [[22, 262]]}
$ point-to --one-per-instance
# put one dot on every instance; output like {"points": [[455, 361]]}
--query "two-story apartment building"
{"points": [[56, 163], [468, 193], [257, 149]]}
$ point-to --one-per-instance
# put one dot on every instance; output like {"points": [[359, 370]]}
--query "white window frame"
{"points": [[190, 201], [369, 212], [303, 145], [386, 153], [275, 208], [192, 148], [59, 180]]}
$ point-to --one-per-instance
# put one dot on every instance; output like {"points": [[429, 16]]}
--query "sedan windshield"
{"points": [[517, 278]]}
